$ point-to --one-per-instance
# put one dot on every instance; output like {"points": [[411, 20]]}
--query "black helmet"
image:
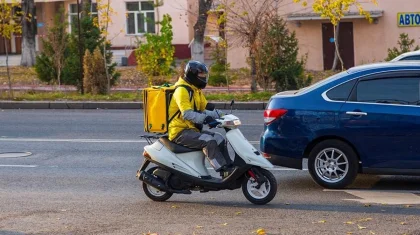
{"points": [[197, 74]]}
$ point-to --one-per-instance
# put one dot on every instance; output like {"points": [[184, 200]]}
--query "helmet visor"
{"points": [[203, 76]]}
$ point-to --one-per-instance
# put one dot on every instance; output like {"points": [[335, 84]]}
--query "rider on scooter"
{"points": [[186, 129]]}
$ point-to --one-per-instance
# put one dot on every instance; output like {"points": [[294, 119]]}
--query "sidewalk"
{"points": [[112, 105]]}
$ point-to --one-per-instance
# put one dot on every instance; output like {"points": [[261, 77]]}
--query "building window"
{"points": [[73, 14], [140, 17]]}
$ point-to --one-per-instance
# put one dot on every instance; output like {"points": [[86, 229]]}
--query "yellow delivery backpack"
{"points": [[156, 100]]}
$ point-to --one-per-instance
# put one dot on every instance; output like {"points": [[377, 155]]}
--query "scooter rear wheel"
{"points": [[154, 193], [265, 193]]}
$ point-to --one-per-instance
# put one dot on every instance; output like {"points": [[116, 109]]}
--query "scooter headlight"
{"points": [[233, 123]]}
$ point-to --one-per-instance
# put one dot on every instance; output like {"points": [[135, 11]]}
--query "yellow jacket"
{"points": [[181, 101]]}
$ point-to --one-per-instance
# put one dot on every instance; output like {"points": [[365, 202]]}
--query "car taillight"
{"points": [[272, 114]]}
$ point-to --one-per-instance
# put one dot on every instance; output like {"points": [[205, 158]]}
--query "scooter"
{"points": [[182, 170]]}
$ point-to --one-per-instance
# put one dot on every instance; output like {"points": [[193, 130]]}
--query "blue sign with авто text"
{"points": [[409, 19]]}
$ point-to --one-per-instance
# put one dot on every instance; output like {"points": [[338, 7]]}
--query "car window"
{"points": [[341, 92], [392, 91], [413, 57]]}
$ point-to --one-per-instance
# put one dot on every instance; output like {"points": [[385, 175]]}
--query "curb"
{"points": [[112, 105]]}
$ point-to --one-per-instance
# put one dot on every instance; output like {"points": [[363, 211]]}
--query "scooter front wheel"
{"points": [[264, 193], [154, 193]]}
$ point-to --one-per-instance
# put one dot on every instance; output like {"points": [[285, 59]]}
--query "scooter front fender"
{"points": [[245, 150]]}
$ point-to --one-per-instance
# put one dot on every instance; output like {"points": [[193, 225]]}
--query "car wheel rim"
{"points": [[331, 165], [154, 191], [258, 192]]}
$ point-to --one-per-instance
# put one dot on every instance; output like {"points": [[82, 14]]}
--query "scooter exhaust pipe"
{"points": [[158, 183], [153, 181]]}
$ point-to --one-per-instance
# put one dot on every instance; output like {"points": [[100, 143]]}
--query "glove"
{"points": [[213, 124], [209, 119]]}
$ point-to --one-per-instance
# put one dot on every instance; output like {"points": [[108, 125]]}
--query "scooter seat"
{"points": [[175, 148]]}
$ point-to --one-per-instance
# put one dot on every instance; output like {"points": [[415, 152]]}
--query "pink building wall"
{"points": [[371, 41]]}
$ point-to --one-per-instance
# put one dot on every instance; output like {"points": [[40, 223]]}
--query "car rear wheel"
{"points": [[333, 164]]}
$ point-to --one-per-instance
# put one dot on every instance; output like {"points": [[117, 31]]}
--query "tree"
{"points": [[102, 21], [95, 80], [28, 34], [243, 20], [405, 44], [91, 37], [155, 57], [335, 10], [204, 7], [8, 26], [277, 56], [49, 64]]}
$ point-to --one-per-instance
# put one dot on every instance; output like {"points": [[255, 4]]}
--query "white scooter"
{"points": [[182, 170]]}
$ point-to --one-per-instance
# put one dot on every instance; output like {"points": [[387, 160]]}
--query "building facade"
{"points": [[360, 42], [133, 19]]}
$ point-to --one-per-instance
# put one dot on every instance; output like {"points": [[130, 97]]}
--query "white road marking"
{"points": [[22, 166], [381, 197], [80, 140]]}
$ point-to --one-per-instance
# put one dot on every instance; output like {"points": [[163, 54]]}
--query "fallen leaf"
{"points": [[320, 222], [199, 226], [175, 206], [238, 213], [349, 232], [371, 232], [261, 231], [365, 220], [225, 224], [408, 206], [403, 223], [361, 227], [349, 222], [367, 205]]}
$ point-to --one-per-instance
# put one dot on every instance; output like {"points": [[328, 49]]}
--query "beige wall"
{"points": [[175, 8], [371, 41]]}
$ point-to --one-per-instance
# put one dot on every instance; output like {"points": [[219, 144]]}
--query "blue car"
{"points": [[364, 120]]}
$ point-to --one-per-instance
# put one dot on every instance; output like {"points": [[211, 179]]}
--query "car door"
{"points": [[381, 118]]}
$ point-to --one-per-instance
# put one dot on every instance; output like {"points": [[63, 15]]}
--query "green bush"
{"points": [[277, 57], [44, 70], [49, 63], [217, 80], [405, 44], [91, 38], [156, 56]]}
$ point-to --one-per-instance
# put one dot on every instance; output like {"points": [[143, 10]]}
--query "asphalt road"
{"points": [[80, 179]]}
